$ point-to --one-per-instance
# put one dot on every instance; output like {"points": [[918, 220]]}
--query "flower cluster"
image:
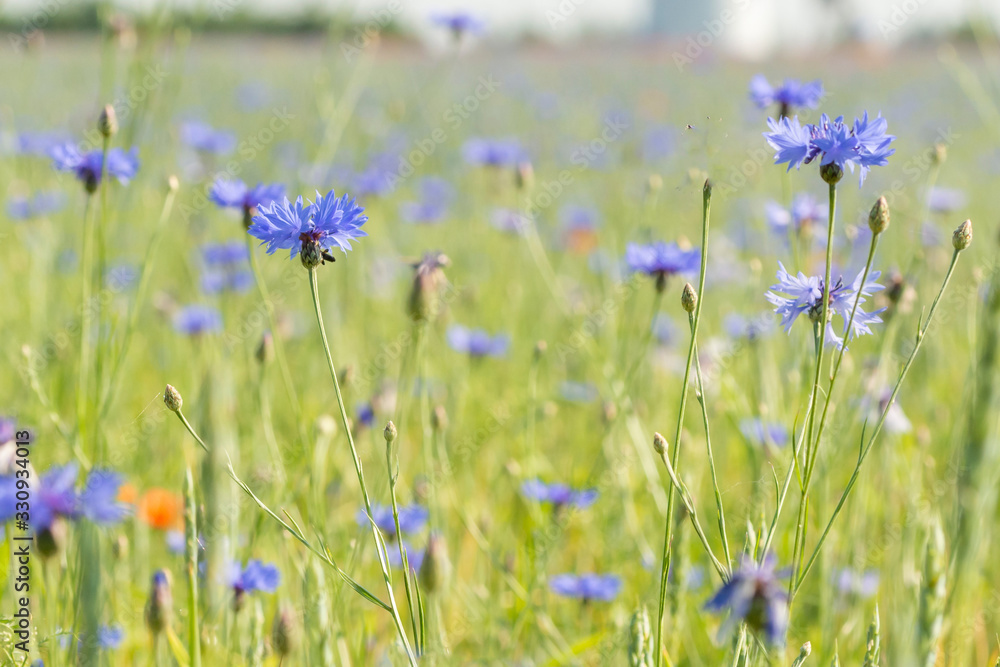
{"points": [[805, 295], [863, 145]]}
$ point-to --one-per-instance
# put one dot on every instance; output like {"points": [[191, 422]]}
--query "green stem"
{"points": [[191, 558], [675, 454], [87, 270], [379, 543], [399, 543], [921, 333]]}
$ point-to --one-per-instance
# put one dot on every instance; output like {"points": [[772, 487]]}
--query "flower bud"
{"points": [[159, 606], [107, 122], [52, 540], [173, 184], [119, 548], [654, 183], [940, 153], [878, 219], [265, 351], [524, 177], [439, 418], [706, 189], [541, 347], [428, 280], [962, 238], [434, 569], [659, 444], [285, 631], [390, 432], [311, 254], [689, 298], [172, 399]]}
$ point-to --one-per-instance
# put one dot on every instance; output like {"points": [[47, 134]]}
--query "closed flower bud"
{"points": [[689, 298], [439, 418], [878, 219], [159, 606], [173, 184], [654, 183], [326, 426], [285, 631], [541, 347], [311, 254], [107, 122], [428, 280], [706, 189], [434, 569], [119, 548], [940, 153], [831, 173], [962, 238], [390, 432], [265, 351], [659, 444], [172, 399], [52, 540]]}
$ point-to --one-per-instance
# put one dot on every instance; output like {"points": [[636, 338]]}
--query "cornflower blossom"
{"points": [[88, 166], [55, 497], [196, 320], [804, 211], [493, 152], [790, 94], [754, 595], [203, 137], [558, 495], [412, 518], [587, 587], [760, 432], [661, 260], [476, 342], [311, 228], [805, 295], [236, 194], [836, 144], [459, 22]]}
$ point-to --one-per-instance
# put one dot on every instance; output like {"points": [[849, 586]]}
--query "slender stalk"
{"points": [[85, 316], [101, 269], [675, 454], [379, 543], [191, 559], [399, 542], [824, 316], [921, 333], [700, 395]]}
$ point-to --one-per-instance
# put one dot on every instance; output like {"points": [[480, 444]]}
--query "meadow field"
{"points": [[196, 423]]}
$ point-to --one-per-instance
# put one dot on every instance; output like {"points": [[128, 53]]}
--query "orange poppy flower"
{"points": [[162, 509]]}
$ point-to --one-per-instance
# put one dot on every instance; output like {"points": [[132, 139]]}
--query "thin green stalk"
{"points": [[379, 543], [675, 455], [191, 559], [85, 316], [799, 545], [140, 296], [101, 268], [921, 333], [644, 346], [700, 395], [393, 476]]}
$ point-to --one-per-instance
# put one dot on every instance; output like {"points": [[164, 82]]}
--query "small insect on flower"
{"points": [[838, 145], [476, 342], [558, 495], [311, 229], [661, 260], [754, 595], [587, 587], [411, 519], [789, 95], [88, 166], [805, 295]]}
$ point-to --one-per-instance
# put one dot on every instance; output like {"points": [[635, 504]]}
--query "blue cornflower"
{"points": [[559, 495], [435, 196], [328, 222], [236, 194], [224, 254], [226, 268], [36, 206], [755, 596], [864, 145], [761, 433], [945, 200], [476, 342], [203, 137], [214, 282], [804, 211], [858, 584], [805, 295], [790, 94], [411, 518], [195, 320], [110, 637], [87, 166], [366, 415], [459, 22], [256, 576], [55, 496], [39, 143], [602, 587], [414, 556], [661, 260], [493, 152]]}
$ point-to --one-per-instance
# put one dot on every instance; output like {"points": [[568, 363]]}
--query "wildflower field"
{"points": [[631, 360]]}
